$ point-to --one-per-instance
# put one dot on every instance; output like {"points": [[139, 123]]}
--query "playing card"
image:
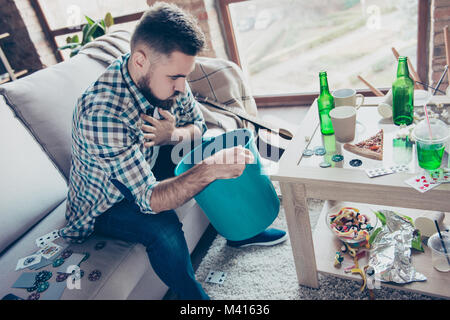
{"points": [[54, 291], [421, 183], [216, 277], [28, 261], [49, 250], [44, 262], [45, 239], [74, 259], [441, 175], [26, 280]]}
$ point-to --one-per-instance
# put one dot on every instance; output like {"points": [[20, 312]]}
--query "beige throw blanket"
{"points": [[215, 79]]}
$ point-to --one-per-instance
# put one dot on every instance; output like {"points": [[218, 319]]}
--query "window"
{"points": [[63, 18], [282, 45]]}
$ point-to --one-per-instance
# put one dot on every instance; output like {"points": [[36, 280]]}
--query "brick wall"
{"points": [[440, 17], [35, 32], [18, 47], [27, 47], [206, 14]]}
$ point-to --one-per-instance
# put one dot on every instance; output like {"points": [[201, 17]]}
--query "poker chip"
{"points": [[34, 296], [33, 288], [42, 286], [58, 262], [66, 253], [43, 276], [94, 275], [355, 162], [325, 164], [337, 157], [62, 277], [319, 151], [100, 245], [308, 152]]}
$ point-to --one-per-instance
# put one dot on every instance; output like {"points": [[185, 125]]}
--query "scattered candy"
{"points": [[338, 258], [349, 224]]}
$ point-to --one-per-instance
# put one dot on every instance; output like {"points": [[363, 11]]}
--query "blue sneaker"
{"points": [[269, 237]]}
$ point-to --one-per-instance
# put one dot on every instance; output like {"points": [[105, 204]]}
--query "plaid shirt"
{"points": [[108, 143]]}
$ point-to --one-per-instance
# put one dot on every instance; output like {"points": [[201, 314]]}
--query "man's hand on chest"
{"points": [[158, 132]]}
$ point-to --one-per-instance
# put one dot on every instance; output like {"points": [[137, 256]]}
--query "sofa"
{"points": [[35, 144]]}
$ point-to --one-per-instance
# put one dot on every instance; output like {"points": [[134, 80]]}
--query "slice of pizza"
{"points": [[370, 148]]}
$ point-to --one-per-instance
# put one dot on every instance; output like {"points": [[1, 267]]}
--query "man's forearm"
{"points": [[174, 192]]}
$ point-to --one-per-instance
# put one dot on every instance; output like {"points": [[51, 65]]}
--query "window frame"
{"points": [[51, 34], [307, 98]]}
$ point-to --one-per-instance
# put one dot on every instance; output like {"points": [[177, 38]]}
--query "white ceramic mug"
{"points": [[347, 97], [344, 122]]}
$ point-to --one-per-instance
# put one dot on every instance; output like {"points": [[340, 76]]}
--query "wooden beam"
{"points": [[46, 28]]}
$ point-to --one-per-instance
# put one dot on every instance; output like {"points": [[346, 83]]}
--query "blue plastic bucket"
{"points": [[238, 208]]}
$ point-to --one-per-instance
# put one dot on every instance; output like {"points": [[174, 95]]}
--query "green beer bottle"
{"points": [[403, 95], [325, 103]]}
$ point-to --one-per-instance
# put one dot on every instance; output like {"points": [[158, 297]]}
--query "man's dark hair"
{"points": [[166, 28]]}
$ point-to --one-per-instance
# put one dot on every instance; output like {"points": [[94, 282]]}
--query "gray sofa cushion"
{"points": [[45, 101], [126, 271], [30, 184], [111, 261]]}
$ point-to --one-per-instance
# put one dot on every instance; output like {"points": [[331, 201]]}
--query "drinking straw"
{"points": [[442, 241], [428, 121]]}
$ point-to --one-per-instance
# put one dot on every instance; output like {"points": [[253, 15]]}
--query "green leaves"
{"points": [[109, 21], [92, 30], [416, 242]]}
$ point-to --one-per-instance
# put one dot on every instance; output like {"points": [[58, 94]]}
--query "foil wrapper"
{"points": [[390, 254]]}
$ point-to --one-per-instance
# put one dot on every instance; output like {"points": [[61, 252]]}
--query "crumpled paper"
{"points": [[390, 254]]}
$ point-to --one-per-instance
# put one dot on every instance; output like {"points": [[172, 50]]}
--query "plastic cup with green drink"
{"points": [[430, 141]]}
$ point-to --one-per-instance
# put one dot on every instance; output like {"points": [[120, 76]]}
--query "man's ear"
{"points": [[140, 60]]}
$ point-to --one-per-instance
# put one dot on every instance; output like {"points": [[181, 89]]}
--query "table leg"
{"points": [[299, 228]]}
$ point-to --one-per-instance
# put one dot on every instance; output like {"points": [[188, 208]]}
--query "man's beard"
{"points": [[143, 86]]}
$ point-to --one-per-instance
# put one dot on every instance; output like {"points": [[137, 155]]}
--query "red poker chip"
{"points": [[95, 275], [66, 253], [62, 277], [34, 296]]}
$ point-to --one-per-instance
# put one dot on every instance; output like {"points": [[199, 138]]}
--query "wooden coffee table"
{"points": [[302, 178]]}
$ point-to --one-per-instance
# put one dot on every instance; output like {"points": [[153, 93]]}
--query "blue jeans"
{"points": [[163, 238]]}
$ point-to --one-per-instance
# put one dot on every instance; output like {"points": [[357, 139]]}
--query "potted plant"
{"points": [[91, 30]]}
